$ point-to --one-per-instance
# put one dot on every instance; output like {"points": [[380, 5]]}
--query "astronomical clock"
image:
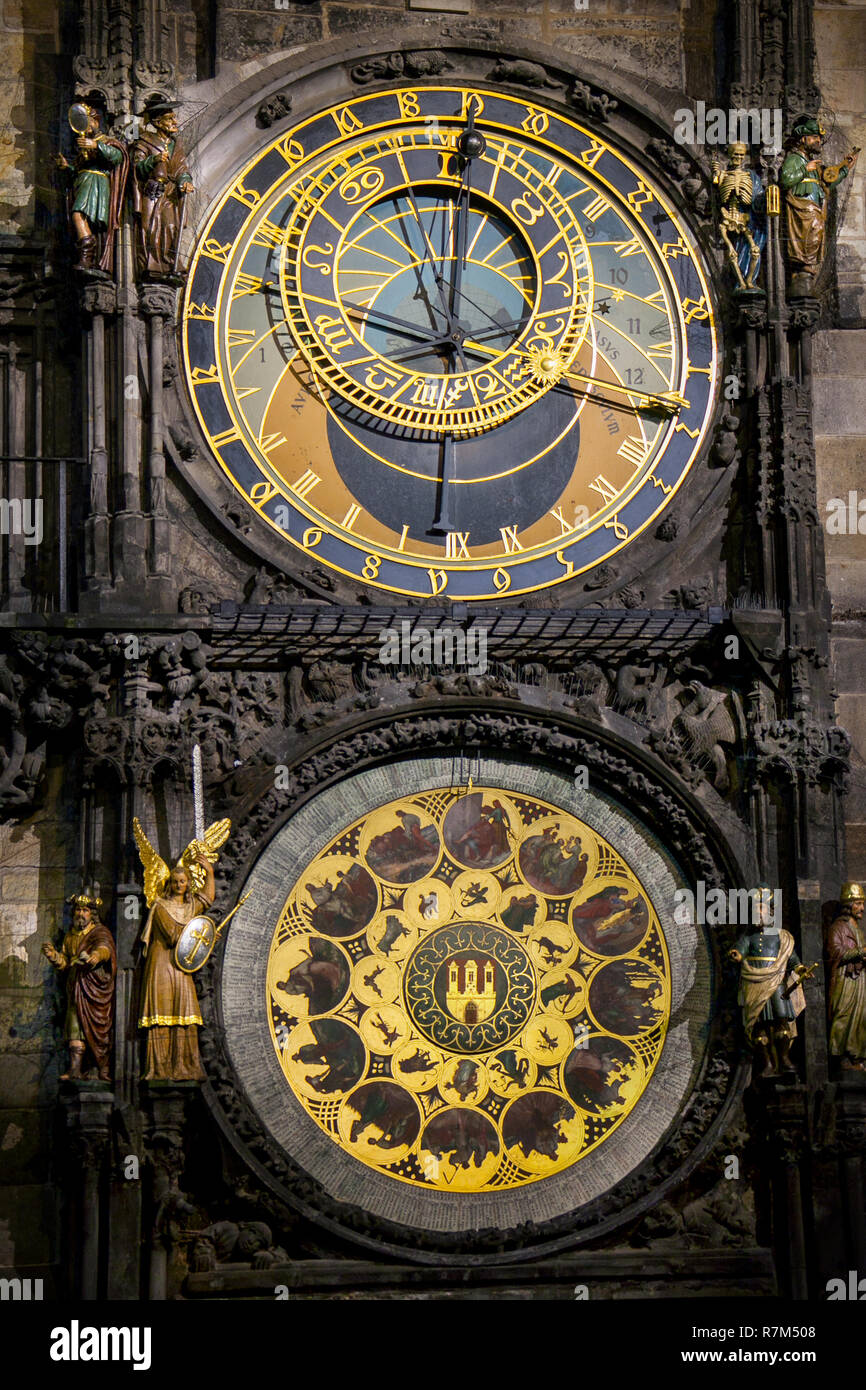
{"points": [[367, 337], [453, 343], [449, 342]]}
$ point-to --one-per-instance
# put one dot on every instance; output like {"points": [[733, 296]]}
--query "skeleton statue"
{"points": [[740, 222]]}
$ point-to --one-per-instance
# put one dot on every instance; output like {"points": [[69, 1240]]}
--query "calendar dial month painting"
{"points": [[468, 990], [449, 342]]}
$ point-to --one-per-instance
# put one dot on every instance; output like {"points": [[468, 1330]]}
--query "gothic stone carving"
{"points": [[276, 108], [523, 74], [424, 63], [685, 173]]}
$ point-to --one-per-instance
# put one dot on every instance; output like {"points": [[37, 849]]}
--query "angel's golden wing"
{"points": [[156, 871], [214, 838]]}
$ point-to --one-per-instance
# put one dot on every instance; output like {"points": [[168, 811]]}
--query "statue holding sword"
{"points": [[177, 939], [162, 183]]}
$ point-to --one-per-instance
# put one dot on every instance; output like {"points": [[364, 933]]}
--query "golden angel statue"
{"points": [[169, 1003]]}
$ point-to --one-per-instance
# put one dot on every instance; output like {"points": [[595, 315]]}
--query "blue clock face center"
{"points": [[471, 277]]}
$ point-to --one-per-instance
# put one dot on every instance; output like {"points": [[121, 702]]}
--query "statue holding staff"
{"points": [[846, 954], [162, 183], [88, 958]]}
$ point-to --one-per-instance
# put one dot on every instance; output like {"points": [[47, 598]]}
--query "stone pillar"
{"points": [[157, 304], [87, 1109], [783, 1116], [130, 527], [851, 1140], [98, 301], [166, 1105]]}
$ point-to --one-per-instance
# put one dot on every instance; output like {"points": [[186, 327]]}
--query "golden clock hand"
{"points": [[670, 401], [471, 144]]}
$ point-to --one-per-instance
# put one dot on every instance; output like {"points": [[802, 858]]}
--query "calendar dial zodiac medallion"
{"points": [[468, 990]]}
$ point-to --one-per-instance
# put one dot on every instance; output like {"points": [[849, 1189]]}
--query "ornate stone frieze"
{"points": [[157, 301], [421, 63], [520, 73], [595, 103], [99, 298], [685, 172], [802, 747]]}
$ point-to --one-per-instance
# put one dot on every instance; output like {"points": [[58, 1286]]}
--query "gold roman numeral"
{"points": [[635, 450], [595, 209], [228, 436], [605, 489], [628, 248], [509, 539], [268, 234], [304, 485], [456, 547], [246, 284], [238, 336]]}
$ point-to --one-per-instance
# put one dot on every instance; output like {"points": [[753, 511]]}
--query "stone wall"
{"points": [[31, 45], [645, 40], [38, 858], [840, 391]]}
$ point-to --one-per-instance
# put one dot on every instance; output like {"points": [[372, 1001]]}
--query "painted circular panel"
{"points": [[468, 990]]}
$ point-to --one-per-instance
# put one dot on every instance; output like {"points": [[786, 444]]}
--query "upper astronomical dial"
{"points": [[450, 342], [430, 302]]}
